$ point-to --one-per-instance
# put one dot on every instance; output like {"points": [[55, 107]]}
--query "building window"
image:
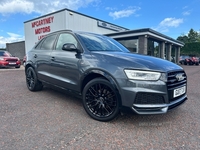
{"points": [[131, 44]]}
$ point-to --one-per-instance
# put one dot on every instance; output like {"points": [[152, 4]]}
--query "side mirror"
{"points": [[69, 47]]}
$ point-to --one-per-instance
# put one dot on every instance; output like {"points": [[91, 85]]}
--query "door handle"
{"points": [[35, 56], [52, 58]]}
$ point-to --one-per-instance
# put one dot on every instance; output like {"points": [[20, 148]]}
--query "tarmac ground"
{"points": [[51, 119]]}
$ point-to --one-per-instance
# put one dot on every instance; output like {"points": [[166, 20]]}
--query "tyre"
{"points": [[101, 100], [32, 82]]}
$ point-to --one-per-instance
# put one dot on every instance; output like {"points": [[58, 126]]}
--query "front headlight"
{"points": [[163, 77], [142, 75]]}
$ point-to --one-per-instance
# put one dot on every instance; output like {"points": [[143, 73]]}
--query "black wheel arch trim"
{"points": [[30, 64], [103, 73]]}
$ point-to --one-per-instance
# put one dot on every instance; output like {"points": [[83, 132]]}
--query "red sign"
{"points": [[42, 26]]}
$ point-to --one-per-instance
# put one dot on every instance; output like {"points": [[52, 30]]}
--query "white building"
{"points": [[143, 41], [37, 28]]}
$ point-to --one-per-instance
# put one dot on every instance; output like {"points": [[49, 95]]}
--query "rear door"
{"points": [[41, 55]]}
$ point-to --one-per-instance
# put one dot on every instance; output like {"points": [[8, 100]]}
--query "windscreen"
{"points": [[94, 42], [1, 53], [5, 54]]}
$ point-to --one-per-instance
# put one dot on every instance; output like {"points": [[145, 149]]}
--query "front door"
{"points": [[64, 64]]}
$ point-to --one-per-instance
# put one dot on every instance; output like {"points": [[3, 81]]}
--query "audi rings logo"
{"points": [[180, 77]]}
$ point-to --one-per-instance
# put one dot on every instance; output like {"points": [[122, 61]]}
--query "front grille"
{"points": [[174, 83], [149, 98], [11, 60]]}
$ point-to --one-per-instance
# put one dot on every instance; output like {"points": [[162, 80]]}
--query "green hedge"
{"points": [[191, 49]]}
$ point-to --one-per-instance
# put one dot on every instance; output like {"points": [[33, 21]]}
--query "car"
{"points": [[194, 60], [182, 60], [7, 60], [189, 60], [105, 75]]}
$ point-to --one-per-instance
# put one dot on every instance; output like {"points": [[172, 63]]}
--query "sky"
{"points": [[172, 18]]}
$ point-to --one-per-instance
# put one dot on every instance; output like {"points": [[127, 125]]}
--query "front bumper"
{"points": [[152, 97], [157, 108], [6, 64]]}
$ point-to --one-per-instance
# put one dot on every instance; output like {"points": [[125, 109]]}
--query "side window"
{"points": [[65, 38], [47, 44], [39, 44]]}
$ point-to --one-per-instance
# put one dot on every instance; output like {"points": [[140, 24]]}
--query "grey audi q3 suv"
{"points": [[106, 75]]}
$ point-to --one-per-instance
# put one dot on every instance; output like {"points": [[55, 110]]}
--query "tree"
{"points": [[192, 43], [192, 36], [183, 39]]}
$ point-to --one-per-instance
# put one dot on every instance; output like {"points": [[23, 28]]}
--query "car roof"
{"points": [[60, 31]]}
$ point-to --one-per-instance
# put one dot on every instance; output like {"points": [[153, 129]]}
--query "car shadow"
{"points": [[125, 118]]}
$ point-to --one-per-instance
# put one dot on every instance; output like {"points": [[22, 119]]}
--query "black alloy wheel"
{"points": [[101, 100], [31, 80]]}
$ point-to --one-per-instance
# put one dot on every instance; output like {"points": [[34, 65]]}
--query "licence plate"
{"points": [[12, 63], [179, 91]]}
